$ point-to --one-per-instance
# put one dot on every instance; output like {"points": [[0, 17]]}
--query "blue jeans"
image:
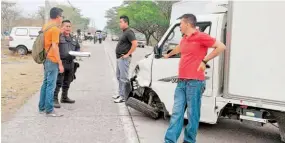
{"points": [[188, 93], [122, 74], [48, 87]]}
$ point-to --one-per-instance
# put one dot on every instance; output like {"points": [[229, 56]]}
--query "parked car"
{"points": [[115, 38], [22, 39], [141, 40], [141, 43]]}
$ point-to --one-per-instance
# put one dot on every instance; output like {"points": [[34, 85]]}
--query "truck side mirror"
{"points": [[157, 52]]}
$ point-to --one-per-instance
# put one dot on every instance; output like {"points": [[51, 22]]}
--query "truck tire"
{"points": [[142, 107], [280, 118]]}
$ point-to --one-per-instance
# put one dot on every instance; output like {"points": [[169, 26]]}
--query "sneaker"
{"points": [[119, 100], [54, 114], [115, 96], [42, 112]]}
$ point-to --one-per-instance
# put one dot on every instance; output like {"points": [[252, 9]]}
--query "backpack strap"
{"points": [[47, 28], [43, 31]]}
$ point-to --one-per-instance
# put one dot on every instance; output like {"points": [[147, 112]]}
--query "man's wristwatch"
{"points": [[205, 62]]}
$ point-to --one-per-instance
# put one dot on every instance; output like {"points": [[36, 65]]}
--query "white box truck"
{"points": [[245, 83]]}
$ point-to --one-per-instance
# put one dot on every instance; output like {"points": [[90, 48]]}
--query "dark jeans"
{"points": [[188, 93], [64, 79], [48, 86]]}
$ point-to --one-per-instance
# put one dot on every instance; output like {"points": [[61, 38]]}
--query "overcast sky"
{"points": [[94, 9]]}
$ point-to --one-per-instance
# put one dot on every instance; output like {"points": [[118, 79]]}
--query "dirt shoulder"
{"points": [[21, 78]]}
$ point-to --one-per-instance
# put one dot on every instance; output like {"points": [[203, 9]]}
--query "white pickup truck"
{"points": [[246, 83]]}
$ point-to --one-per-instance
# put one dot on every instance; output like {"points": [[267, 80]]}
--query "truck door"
{"points": [[165, 71]]}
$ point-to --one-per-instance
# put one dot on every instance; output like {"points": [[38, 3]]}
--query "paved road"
{"points": [[227, 131], [94, 118]]}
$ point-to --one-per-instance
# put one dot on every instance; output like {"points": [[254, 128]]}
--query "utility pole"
{"points": [[47, 9]]}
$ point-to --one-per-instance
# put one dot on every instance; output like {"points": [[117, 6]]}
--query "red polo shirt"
{"points": [[193, 50]]}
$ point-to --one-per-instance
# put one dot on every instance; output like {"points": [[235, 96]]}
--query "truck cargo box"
{"points": [[255, 60], [196, 7]]}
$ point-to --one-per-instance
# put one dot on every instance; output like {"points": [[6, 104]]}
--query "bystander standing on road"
{"points": [[52, 64], [193, 48], [126, 46], [99, 36]]}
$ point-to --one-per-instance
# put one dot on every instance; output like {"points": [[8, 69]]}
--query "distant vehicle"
{"points": [[141, 43], [22, 39], [115, 38], [141, 40], [104, 35], [89, 36]]}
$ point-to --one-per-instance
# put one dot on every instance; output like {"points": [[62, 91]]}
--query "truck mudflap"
{"points": [[280, 118]]}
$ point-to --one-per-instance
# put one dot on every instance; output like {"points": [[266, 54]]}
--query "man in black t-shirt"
{"points": [[125, 47]]}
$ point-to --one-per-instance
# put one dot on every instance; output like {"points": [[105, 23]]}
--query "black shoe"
{"points": [[56, 104], [67, 100]]}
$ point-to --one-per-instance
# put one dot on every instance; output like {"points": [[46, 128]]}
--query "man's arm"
{"points": [[133, 48], [55, 41], [175, 51], [208, 42], [219, 48]]}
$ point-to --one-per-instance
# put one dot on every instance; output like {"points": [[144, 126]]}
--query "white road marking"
{"points": [[129, 129]]}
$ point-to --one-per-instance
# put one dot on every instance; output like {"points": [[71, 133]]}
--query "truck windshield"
{"points": [[175, 36]]}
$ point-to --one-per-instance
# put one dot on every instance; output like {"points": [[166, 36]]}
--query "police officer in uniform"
{"points": [[66, 43]]}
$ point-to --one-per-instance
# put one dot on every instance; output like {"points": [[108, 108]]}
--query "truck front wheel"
{"points": [[142, 107]]}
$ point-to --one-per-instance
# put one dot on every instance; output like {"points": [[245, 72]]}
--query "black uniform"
{"points": [[66, 44]]}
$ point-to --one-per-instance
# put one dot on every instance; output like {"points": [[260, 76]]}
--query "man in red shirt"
{"points": [[193, 48]]}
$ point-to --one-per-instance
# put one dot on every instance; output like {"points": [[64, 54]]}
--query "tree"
{"points": [[150, 18], [71, 13], [41, 14], [74, 15], [165, 8], [9, 14], [113, 20], [144, 16]]}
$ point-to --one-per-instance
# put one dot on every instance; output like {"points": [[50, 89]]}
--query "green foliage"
{"points": [[145, 16], [150, 18], [112, 20], [74, 15]]}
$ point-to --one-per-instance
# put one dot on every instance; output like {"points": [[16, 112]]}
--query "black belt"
{"points": [[183, 79], [67, 61]]}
